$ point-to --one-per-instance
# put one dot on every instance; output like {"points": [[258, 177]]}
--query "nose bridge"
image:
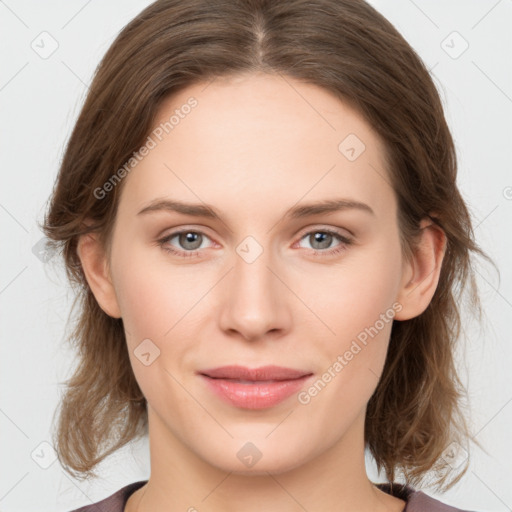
{"points": [[254, 303]]}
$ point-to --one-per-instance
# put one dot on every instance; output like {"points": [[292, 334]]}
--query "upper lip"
{"points": [[262, 373]]}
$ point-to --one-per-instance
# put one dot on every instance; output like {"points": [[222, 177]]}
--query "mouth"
{"points": [[263, 373], [258, 388]]}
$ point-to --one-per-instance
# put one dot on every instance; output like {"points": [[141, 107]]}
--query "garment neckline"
{"points": [[401, 491]]}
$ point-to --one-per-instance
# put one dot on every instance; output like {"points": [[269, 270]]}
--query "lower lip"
{"points": [[255, 396]]}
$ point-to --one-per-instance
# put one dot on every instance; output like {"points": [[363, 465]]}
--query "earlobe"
{"points": [[94, 263], [421, 274]]}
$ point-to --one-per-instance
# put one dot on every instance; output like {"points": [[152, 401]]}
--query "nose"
{"points": [[255, 301]]}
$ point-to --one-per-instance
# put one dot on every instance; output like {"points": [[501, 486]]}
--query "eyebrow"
{"points": [[297, 212]]}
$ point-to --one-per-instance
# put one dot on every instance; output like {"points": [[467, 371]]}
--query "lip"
{"points": [[270, 372], [257, 388]]}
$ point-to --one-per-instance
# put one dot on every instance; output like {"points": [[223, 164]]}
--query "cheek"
{"points": [[355, 293], [153, 294], [154, 298], [357, 306]]}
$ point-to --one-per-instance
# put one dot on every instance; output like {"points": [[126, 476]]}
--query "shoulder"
{"points": [[421, 502], [417, 501], [113, 503]]}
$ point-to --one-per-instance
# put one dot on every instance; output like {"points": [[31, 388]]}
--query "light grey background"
{"points": [[39, 102]]}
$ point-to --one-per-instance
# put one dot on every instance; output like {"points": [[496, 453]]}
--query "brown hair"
{"points": [[349, 49]]}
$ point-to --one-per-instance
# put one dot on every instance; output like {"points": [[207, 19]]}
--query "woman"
{"points": [[258, 207]]}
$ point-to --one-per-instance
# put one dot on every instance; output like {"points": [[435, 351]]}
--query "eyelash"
{"points": [[317, 253]]}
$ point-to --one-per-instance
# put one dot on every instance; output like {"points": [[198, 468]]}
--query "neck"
{"points": [[334, 480]]}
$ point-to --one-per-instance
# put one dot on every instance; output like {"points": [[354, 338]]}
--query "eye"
{"points": [[321, 241], [191, 242], [188, 239]]}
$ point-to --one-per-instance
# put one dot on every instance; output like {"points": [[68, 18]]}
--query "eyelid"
{"points": [[180, 231], [329, 229], [304, 231]]}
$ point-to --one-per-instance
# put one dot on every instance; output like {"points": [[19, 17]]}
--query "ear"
{"points": [[96, 269], [421, 274]]}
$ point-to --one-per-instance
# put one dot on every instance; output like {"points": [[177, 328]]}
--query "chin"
{"points": [[252, 456]]}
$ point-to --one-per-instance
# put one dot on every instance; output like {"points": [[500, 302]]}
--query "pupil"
{"points": [[190, 238], [321, 238]]}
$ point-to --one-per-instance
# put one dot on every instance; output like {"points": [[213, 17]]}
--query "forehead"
{"points": [[258, 140]]}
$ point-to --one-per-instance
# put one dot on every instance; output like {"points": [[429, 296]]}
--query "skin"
{"points": [[255, 146]]}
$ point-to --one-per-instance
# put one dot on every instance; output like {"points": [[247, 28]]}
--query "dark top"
{"points": [[416, 501]]}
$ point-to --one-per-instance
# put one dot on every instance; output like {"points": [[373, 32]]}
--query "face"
{"points": [[262, 281]]}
